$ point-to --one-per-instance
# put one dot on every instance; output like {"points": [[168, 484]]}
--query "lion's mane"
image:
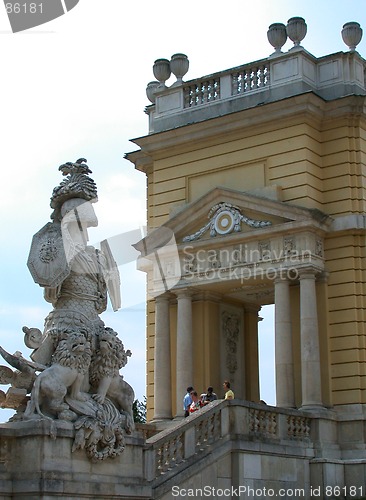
{"points": [[65, 356], [108, 364]]}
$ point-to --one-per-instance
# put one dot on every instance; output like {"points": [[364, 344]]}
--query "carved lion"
{"points": [[105, 379], [70, 362]]}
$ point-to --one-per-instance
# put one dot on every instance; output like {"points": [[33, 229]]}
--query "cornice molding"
{"points": [[307, 107]]}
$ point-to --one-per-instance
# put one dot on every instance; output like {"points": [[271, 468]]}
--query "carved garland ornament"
{"points": [[224, 219]]}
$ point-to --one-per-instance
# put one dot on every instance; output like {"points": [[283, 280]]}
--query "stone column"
{"points": [[285, 392], [184, 347], [310, 355], [162, 361], [251, 357]]}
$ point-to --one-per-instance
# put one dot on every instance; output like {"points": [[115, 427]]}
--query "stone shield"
{"points": [[47, 260]]}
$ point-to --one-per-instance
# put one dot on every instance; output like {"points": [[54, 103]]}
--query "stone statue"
{"points": [[77, 356]]}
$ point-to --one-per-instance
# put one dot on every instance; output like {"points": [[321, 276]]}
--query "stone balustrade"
{"points": [[201, 92], [172, 448], [250, 78], [230, 442], [298, 427], [277, 77], [241, 81], [262, 422]]}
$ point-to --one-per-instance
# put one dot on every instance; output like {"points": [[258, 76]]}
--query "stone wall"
{"points": [[230, 445]]}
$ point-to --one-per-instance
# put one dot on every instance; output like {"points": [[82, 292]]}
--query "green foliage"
{"points": [[139, 411]]}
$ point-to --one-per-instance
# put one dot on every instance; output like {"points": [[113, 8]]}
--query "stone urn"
{"points": [[296, 30], [162, 72], [351, 35], [277, 36], [179, 65], [151, 89]]}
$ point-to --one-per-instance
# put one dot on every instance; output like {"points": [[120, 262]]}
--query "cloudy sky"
{"points": [[76, 87]]}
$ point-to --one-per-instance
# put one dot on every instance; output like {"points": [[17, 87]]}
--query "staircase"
{"points": [[231, 444]]}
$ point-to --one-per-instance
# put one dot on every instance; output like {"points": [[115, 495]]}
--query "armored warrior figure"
{"points": [[75, 275], [78, 357]]}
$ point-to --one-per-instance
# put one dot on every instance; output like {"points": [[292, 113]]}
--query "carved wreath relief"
{"points": [[73, 374], [225, 218]]}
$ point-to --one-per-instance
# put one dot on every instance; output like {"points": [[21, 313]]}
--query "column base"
{"points": [[286, 406], [156, 420], [161, 425], [313, 407]]}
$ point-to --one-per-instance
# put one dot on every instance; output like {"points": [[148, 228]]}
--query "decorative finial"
{"points": [[277, 36], [150, 90], [296, 30], [162, 72], [179, 65], [351, 35]]}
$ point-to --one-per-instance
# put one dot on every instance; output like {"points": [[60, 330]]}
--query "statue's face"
{"points": [[77, 210], [86, 214]]}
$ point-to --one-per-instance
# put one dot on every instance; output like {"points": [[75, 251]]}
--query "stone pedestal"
{"points": [[35, 466]]}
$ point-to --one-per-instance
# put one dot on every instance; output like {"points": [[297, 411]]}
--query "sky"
{"points": [[75, 87]]}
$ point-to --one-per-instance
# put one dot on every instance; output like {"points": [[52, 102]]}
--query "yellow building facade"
{"points": [[256, 175]]}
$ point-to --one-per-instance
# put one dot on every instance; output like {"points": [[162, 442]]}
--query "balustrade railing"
{"points": [[262, 422], [201, 92], [169, 454], [286, 75], [250, 78], [243, 80], [195, 435], [169, 449], [208, 431], [298, 427]]}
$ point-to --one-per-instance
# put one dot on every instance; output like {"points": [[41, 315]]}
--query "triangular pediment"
{"points": [[223, 213], [226, 240]]}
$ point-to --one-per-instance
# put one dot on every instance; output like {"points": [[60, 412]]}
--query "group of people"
{"points": [[192, 402]]}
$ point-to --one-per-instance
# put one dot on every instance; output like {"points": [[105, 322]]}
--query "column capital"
{"points": [[183, 292], [163, 297], [308, 273], [279, 278]]}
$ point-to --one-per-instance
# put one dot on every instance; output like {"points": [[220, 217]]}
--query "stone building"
{"points": [[256, 195], [259, 173]]}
